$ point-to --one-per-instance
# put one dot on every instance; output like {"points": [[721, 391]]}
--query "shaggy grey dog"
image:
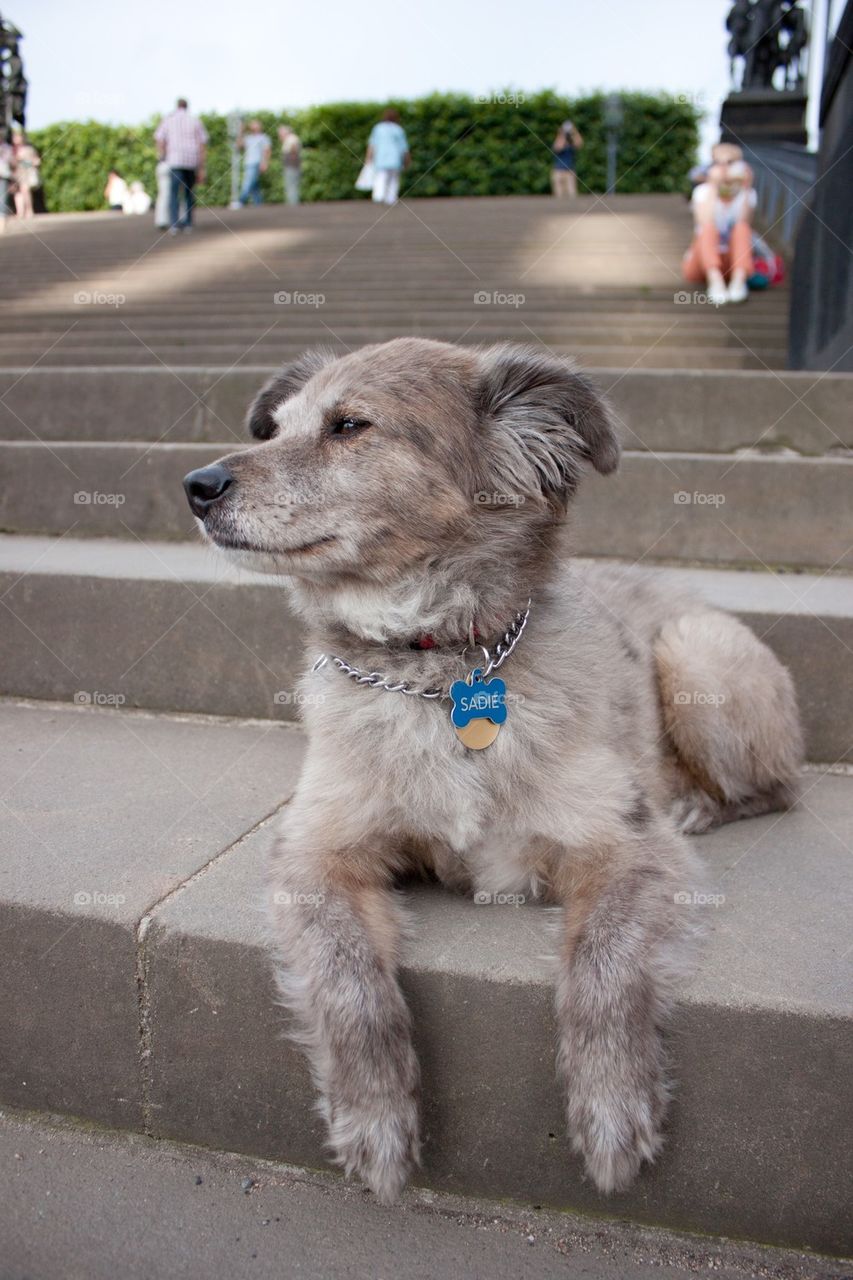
{"points": [[414, 495]]}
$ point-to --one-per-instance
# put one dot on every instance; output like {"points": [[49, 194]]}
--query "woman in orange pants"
{"points": [[721, 252]]}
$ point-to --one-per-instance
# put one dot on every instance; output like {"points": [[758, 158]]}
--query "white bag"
{"points": [[367, 177]]}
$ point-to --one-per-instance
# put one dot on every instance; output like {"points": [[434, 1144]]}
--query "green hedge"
{"points": [[460, 146]]}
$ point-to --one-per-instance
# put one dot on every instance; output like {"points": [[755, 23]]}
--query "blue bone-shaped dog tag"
{"points": [[479, 700]]}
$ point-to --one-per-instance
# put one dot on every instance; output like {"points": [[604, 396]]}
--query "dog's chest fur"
{"points": [[406, 770], [409, 777], [484, 815], [580, 745]]}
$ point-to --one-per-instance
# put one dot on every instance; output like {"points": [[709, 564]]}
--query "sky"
{"points": [[113, 61]]}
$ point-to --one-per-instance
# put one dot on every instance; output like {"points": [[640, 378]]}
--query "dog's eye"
{"points": [[348, 426]]}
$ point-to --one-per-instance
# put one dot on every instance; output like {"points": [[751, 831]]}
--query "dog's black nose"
{"points": [[206, 486]]}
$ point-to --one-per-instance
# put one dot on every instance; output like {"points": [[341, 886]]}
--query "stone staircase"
{"points": [[149, 713], [597, 282]]}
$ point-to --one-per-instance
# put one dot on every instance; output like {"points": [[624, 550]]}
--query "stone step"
{"points": [[600, 280], [357, 304], [536, 241], [351, 299], [361, 278], [311, 330], [136, 989], [172, 626], [749, 508], [646, 356], [691, 410], [237, 1216]]}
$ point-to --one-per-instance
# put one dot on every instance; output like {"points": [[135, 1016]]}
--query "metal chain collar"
{"points": [[376, 680]]}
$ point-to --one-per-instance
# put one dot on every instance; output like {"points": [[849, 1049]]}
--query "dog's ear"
{"points": [[281, 386], [544, 420]]}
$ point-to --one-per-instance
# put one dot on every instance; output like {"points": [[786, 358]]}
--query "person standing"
{"points": [[388, 152], [7, 157], [291, 159], [257, 149], [25, 172], [162, 208], [568, 142], [181, 141]]}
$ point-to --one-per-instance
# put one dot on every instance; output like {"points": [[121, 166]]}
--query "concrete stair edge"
{"points": [[764, 508], [630, 253], [173, 1031], [712, 410], [109, 619]]}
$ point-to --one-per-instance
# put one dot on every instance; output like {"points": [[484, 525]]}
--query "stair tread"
{"points": [[785, 880], [303, 1216], [784, 877], [575, 265], [758, 591], [81, 780], [147, 815]]}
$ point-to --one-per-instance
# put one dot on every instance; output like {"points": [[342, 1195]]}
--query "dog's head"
{"points": [[377, 464]]}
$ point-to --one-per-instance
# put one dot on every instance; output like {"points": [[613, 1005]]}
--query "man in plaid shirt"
{"points": [[181, 139]]}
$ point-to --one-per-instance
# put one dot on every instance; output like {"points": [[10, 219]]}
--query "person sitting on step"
{"points": [[721, 252]]}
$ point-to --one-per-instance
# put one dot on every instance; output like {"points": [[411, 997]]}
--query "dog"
{"points": [[414, 496]]}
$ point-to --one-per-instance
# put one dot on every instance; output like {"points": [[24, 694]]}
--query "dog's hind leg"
{"points": [[336, 933], [731, 716]]}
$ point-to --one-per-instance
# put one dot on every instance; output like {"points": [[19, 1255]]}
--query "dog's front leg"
{"points": [[625, 945], [337, 930]]}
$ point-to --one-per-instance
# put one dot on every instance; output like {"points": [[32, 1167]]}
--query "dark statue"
{"points": [[13, 82], [768, 35]]}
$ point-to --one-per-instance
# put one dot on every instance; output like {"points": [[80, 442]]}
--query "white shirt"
{"points": [[116, 191], [726, 212], [138, 200]]}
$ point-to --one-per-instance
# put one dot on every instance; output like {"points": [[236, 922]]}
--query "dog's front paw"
{"points": [[616, 1128], [379, 1142]]}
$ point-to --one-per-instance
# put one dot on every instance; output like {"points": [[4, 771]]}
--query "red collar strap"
{"points": [[428, 641]]}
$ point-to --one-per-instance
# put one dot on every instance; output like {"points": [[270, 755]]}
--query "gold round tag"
{"points": [[478, 734]]}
